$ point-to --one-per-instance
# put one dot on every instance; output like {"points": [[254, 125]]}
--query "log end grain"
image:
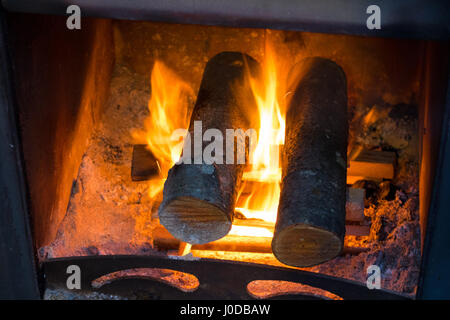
{"points": [[195, 221], [303, 245]]}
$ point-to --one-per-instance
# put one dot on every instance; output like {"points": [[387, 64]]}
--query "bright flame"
{"points": [[169, 111], [250, 231], [263, 180]]}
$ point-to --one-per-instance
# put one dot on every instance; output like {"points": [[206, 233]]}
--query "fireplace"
{"points": [[336, 169]]}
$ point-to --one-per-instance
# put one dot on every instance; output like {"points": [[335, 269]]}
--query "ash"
{"points": [[64, 294]]}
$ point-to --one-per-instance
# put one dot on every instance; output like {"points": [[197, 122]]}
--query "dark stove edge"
{"points": [[399, 19]]}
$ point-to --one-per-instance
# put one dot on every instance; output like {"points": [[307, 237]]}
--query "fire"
{"points": [[169, 111], [263, 180]]}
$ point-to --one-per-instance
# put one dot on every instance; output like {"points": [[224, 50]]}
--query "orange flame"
{"points": [[169, 111], [264, 178]]}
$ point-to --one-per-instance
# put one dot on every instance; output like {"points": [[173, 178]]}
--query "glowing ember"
{"points": [[253, 231]]}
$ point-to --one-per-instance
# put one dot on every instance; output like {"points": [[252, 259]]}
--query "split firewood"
{"points": [[184, 248], [357, 230], [371, 165], [199, 198], [354, 206], [144, 165], [310, 226], [350, 229], [163, 240], [367, 165]]}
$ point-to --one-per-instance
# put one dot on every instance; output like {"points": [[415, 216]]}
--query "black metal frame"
{"points": [[219, 279], [340, 16], [18, 272], [434, 282], [399, 18]]}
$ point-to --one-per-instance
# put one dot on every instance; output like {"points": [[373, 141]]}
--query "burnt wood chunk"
{"points": [[144, 164], [310, 225], [184, 248], [199, 198], [354, 207], [357, 230]]}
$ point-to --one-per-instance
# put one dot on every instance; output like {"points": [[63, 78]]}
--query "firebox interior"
{"points": [[81, 93]]}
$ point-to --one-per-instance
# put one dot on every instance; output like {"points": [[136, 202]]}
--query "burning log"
{"points": [[310, 225], [144, 165], [199, 198]]}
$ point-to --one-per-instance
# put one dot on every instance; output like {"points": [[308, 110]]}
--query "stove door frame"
{"points": [[19, 272], [17, 254]]}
